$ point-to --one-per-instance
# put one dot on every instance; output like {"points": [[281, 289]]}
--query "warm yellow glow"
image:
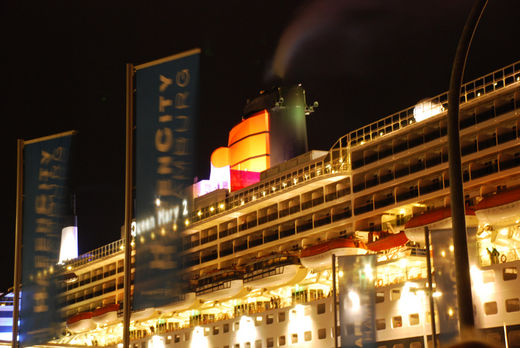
{"points": [[443, 253], [437, 294], [199, 213], [187, 222], [157, 202], [221, 206], [69, 268], [504, 231], [163, 231], [369, 272], [211, 209], [198, 340], [156, 342], [340, 274], [355, 303], [450, 312], [246, 330], [451, 248]]}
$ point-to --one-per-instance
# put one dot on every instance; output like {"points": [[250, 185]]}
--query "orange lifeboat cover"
{"points": [[432, 216], [332, 244], [392, 241], [78, 317], [501, 198]]}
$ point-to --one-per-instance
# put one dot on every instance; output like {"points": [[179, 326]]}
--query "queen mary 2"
{"points": [[257, 252]]}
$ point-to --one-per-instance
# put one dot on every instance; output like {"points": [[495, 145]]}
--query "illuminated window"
{"points": [[397, 321], [307, 335], [321, 308], [513, 305], [322, 334], [281, 341], [490, 308], [414, 319], [269, 319], [206, 331], [236, 326], [294, 338], [380, 324], [247, 345], [281, 317], [269, 342], [395, 294], [168, 339], [215, 330], [510, 273], [258, 344], [177, 338], [380, 297]]}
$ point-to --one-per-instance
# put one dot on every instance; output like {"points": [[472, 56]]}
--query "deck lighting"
{"points": [[199, 213], [426, 109], [157, 202], [221, 206], [211, 209], [187, 222], [451, 247]]}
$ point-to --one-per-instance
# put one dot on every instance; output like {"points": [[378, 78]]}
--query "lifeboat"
{"points": [[319, 256], [81, 322], [389, 242], [439, 219], [274, 271], [502, 209], [220, 285], [184, 301], [105, 315], [143, 314]]}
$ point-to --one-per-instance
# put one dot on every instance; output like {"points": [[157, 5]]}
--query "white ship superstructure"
{"points": [[258, 260]]}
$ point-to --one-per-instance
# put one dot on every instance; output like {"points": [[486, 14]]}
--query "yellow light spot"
{"points": [[340, 274], [211, 209], [186, 222], [199, 213], [174, 227], [381, 133], [221, 206], [478, 94], [142, 239], [152, 235], [451, 248], [163, 231], [157, 202], [450, 312], [69, 268], [443, 253]]}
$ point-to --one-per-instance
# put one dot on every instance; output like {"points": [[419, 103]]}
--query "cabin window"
{"points": [[281, 317], [236, 326], [380, 297], [206, 331], [414, 319], [186, 336], [380, 324], [281, 341], [247, 345], [397, 321], [258, 320], [490, 308], [294, 338], [168, 339], [258, 344], [321, 308], [510, 273], [307, 335], [269, 319], [237, 345], [215, 330], [512, 305], [488, 276], [269, 342], [225, 328], [177, 338], [322, 334], [395, 294]]}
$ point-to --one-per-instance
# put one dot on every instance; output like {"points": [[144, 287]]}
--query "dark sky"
{"points": [[63, 67]]}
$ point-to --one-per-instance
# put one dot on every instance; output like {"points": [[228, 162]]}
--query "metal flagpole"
{"points": [[18, 242], [335, 299], [464, 300], [128, 200], [430, 285]]}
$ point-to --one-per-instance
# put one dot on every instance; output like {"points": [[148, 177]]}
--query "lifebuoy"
{"points": [[503, 258]]}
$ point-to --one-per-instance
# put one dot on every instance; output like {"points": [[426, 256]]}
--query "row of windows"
{"points": [[269, 341], [397, 321], [508, 273], [511, 305]]}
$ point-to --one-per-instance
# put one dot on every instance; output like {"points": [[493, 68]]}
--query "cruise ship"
{"points": [[259, 243]]}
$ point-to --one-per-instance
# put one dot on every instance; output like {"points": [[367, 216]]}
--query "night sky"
{"points": [[63, 68]]}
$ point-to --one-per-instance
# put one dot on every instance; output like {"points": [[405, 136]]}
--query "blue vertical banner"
{"points": [[166, 112], [356, 295], [45, 203]]}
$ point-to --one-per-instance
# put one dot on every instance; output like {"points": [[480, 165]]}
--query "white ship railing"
{"points": [[469, 91], [96, 254]]}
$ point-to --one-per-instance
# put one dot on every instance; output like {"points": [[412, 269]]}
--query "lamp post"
{"points": [[464, 300]]}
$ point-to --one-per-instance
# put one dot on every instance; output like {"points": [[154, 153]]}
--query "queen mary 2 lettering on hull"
{"points": [[255, 250], [166, 104]]}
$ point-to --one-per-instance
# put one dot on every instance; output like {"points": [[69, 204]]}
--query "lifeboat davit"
{"points": [[273, 271], [184, 301], [320, 255], [502, 209], [106, 315], [438, 219], [81, 322], [220, 285]]}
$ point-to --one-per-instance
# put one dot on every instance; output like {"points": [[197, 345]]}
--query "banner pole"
{"points": [[18, 242], [128, 201], [335, 299]]}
